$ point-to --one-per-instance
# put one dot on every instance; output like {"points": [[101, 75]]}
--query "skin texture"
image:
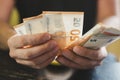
{"points": [[6, 7], [79, 57], [5, 33], [39, 50], [6, 30], [40, 53], [106, 8]]}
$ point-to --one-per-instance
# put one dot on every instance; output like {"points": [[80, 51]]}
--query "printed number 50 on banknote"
{"points": [[66, 27]]}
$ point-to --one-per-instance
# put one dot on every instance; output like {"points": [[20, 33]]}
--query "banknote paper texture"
{"points": [[66, 28], [20, 29], [101, 35], [35, 26]]}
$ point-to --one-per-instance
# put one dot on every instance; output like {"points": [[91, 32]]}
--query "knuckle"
{"points": [[52, 44], [10, 41], [28, 55], [11, 54]]}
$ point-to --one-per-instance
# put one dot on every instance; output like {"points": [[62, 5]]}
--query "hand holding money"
{"points": [[40, 52], [81, 58], [66, 29]]}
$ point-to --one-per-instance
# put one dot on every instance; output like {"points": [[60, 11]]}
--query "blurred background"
{"points": [[114, 21]]}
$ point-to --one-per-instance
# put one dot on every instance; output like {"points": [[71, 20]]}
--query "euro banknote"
{"points": [[65, 27]]}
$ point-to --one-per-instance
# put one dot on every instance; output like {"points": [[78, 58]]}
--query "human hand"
{"points": [[41, 51], [81, 58]]}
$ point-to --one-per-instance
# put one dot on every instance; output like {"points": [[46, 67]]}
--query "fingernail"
{"points": [[75, 48], [48, 36]]}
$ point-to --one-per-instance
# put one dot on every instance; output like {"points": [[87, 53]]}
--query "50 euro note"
{"points": [[66, 27], [100, 35]]}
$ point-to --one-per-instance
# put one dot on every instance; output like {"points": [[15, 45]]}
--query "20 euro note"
{"points": [[66, 27]]}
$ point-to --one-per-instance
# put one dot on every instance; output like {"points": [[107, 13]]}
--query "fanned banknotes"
{"points": [[66, 28]]}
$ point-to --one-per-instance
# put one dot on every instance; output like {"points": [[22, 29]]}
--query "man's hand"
{"points": [[36, 50], [81, 58]]}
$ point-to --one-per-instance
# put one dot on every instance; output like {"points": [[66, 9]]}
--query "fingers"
{"points": [[36, 66], [24, 40], [32, 52], [84, 65], [43, 50], [35, 51], [78, 59], [80, 42], [40, 61], [88, 53], [81, 58]]}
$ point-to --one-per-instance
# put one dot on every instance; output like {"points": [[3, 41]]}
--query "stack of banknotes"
{"points": [[66, 28]]}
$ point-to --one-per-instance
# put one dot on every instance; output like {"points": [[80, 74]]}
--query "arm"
{"points": [[6, 7], [106, 8], [5, 30]]}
